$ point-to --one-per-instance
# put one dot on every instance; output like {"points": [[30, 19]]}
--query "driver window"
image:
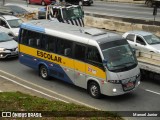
{"points": [[3, 23], [93, 56], [140, 40]]}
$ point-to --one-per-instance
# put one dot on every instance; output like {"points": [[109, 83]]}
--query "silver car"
{"points": [[143, 41], [8, 46]]}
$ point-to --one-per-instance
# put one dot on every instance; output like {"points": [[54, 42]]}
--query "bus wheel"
{"points": [[43, 3], [43, 72], [94, 90]]}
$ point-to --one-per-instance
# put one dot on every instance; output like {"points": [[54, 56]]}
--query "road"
{"points": [[145, 98], [124, 10]]}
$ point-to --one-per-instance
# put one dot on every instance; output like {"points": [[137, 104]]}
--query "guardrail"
{"points": [[120, 24]]}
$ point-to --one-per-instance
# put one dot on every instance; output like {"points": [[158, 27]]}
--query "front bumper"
{"points": [[111, 89], [8, 54]]}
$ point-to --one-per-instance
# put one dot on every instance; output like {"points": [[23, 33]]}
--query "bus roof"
{"points": [[72, 32]]}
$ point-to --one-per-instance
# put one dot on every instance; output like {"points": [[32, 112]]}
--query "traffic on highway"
{"points": [[63, 58]]}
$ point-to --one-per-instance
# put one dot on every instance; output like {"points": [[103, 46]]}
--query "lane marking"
{"points": [[76, 101], [32, 89], [123, 5], [153, 92]]}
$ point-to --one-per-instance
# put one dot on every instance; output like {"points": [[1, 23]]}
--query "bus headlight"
{"points": [[114, 90], [139, 82], [114, 81]]}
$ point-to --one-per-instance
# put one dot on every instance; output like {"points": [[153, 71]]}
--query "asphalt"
{"points": [[7, 86]]}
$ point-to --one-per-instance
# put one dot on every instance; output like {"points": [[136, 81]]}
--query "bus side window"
{"points": [[51, 44], [31, 42], [38, 43], [34, 39], [63, 45], [80, 52], [93, 56], [44, 42], [23, 38]]}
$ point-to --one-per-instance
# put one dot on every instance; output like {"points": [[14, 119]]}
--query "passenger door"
{"points": [[79, 65], [94, 66], [29, 41]]}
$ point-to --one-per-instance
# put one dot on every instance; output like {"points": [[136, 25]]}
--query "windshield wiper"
{"points": [[124, 64], [156, 43]]}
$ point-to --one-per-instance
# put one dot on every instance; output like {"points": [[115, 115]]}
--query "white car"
{"points": [[10, 23], [8, 46], [143, 41]]}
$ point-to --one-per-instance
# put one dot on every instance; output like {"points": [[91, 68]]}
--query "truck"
{"points": [[63, 12], [152, 3], [149, 63]]}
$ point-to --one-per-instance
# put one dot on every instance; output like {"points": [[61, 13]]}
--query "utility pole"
{"points": [[155, 12]]}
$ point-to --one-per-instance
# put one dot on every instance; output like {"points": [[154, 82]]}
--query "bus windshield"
{"points": [[119, 56], [72, 13]]}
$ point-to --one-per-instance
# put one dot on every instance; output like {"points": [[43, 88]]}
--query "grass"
{"points": [[20, 102]]}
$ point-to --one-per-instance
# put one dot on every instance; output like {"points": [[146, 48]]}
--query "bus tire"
{"points": [[43, 72], [94, 90]]}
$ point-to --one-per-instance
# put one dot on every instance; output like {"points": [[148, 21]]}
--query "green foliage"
{"points": [[11, 101]]}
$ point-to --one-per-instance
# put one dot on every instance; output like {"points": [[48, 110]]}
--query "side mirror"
{"points": [[15, 38], [104, 62], [6, 26], [67, 51], [134, 51]]}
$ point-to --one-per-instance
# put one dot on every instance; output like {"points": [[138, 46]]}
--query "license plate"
{"points": [[128, 86]]}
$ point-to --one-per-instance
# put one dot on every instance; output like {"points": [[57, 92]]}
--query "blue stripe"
{"points": [[55, 71], [33, 27]]}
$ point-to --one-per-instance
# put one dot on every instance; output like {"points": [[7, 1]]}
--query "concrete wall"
{"points": [[118, 25]]}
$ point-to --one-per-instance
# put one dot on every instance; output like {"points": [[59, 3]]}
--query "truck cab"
{"points": [[66, 13]]}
